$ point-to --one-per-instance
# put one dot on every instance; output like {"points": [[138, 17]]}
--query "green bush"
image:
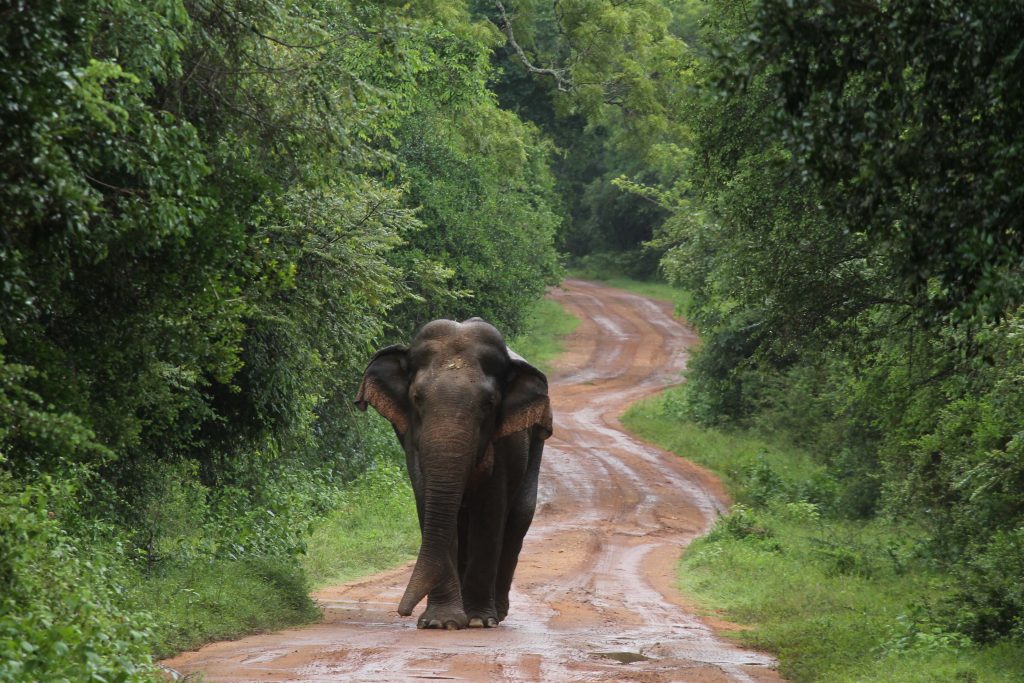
{"points": [[214, 213], [725, 384], [743, 524], [990, 600], [65, 612], [636, 264]]}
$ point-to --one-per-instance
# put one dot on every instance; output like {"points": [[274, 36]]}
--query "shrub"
{"points": [[990, 600], [64, 614]]}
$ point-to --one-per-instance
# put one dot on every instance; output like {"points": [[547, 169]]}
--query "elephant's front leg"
{"points": [[444, 601], [523, 503], [485, 525]]}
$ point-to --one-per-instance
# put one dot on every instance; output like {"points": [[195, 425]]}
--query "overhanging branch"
{"points": [[562, 80]]}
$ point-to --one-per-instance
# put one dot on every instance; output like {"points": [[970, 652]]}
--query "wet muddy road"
{"points": [[594, 596]]}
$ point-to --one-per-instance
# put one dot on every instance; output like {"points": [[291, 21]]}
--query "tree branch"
{"points": [[562, 80]]}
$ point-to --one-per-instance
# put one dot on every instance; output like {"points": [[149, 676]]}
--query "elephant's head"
{"points": [[451, 395]]}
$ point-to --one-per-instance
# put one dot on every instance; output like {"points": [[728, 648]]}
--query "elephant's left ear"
{"points": [[525, 401]]}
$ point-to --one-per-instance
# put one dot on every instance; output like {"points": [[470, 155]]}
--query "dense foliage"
{"points": [[213, 211], [848, 221], [601, 80]]}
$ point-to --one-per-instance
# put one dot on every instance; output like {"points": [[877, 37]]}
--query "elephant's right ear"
{"points": [[386, 386]]}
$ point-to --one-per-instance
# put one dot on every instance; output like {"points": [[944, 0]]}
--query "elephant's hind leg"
{"points": [[481, 561]]}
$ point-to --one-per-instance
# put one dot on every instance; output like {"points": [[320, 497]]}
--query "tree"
{"points": [[600, 78], [913, 111]]}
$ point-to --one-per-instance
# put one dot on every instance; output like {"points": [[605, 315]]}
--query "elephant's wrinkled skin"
{"points": [[472, 418]]}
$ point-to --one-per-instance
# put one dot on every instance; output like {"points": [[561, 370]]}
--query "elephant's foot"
{"points": [[482, 616], [444, 616], [501, 610]]}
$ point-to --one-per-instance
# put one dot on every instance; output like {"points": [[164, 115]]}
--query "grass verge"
{"points": [[205, 601], [373, 528], [546, 324], [837, 600]]}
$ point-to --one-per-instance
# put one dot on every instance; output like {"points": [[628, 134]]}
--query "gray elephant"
{"points": [[472, 418]]}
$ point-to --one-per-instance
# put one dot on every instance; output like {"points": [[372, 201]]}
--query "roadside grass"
{"points": [[546, 324], [749, 464], [837, 600], [373, 528], [194, 596], [203, 601]]}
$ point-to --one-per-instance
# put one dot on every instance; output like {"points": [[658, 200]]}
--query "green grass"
{"points": [[203, 601], [737, 457], [837, 600], [546, 324], [374, 528]]}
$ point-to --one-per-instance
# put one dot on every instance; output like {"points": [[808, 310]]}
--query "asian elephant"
{"points": [[472, 417]]}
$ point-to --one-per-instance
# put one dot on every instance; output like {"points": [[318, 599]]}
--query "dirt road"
{"points": [[594, 596]]}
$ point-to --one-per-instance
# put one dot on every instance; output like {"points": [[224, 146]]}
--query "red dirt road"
{"points": [[595, 584]]}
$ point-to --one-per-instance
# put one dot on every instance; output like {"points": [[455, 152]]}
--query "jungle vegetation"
{"points": [[849, 224], [835, 188], [214, 210]]}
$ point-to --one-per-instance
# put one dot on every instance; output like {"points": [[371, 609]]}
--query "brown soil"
{"points": [[594, 597]]}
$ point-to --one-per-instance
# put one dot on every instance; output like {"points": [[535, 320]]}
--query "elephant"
{"points": [[472, 417]]}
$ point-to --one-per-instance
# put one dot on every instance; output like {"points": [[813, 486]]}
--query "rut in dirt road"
{"points": [[594, 597]]}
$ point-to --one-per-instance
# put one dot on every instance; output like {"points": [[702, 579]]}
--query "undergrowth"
{"points": [[838, 600], [373, 528], [199, 602]]}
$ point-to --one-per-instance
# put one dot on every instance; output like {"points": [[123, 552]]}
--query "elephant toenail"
{"points": [[451, 626], [491, 622], [476, 622]]}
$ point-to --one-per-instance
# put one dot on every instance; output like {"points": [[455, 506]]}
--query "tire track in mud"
{"points": [[596, 578]]}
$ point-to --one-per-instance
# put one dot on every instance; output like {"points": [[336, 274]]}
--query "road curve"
{"points": [[594, 597]]}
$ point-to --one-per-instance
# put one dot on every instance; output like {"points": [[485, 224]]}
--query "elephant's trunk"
{"points": [[446, 463]]}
